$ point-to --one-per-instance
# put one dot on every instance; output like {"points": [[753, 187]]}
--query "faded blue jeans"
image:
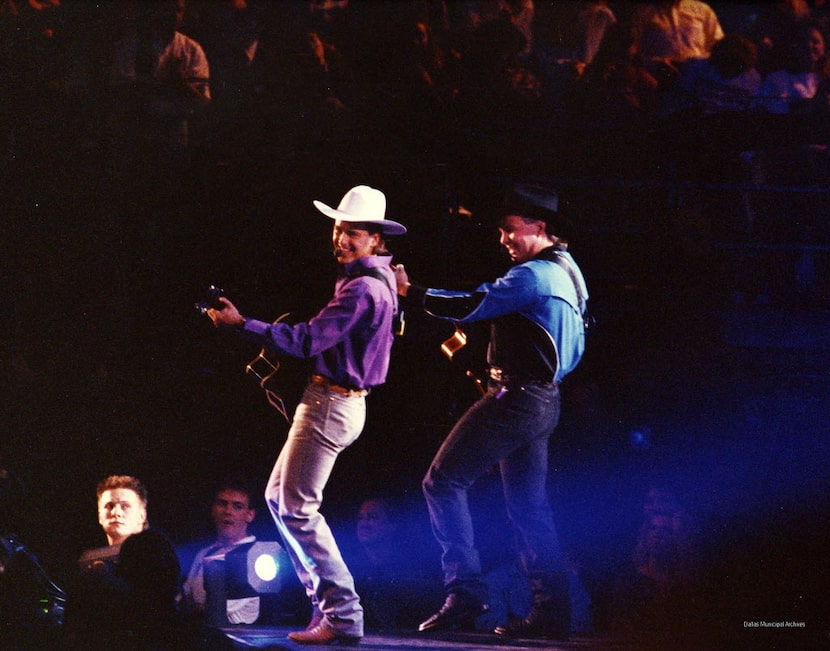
{"points": [[509, 426], [325, 424]]}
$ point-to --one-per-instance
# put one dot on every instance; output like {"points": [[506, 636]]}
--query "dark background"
{"points": [[108, 368]]}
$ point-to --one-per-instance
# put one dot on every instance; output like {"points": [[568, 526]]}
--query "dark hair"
{"points": [[239, 485], [733, 55], [374, 229], [798, 37]]}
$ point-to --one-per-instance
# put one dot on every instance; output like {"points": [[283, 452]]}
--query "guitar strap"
{"points": [[562, 261], [373, 272]]}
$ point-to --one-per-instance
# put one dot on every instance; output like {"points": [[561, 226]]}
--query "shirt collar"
{"points": [[367, 262]]}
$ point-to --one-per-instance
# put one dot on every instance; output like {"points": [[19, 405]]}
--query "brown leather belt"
{"points": [[319, 380]]}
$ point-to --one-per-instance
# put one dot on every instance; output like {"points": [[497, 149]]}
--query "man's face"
{"points": [[522, 238], [121, 514], [232, 513], [374, 524], [351, 242]]}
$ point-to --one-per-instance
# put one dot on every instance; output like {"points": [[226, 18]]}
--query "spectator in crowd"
{"points": [[501, 100], [394, 589], [33, 63], [473, 14], [161, 78], [129, 603], [593, 21], [671, 32], [231, 512], [789, 90], [716, 96], [728, 80], [616, 87], [772, 31], [657, 596], [571, 31], [794, 155], [122, 507]]}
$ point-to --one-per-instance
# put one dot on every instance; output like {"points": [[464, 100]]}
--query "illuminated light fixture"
{"points": [[243, 586], [259, 563]]}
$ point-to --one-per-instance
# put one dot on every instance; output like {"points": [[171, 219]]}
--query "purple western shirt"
{"points": [[349, 341]]}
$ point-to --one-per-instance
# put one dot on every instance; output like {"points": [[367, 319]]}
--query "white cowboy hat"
{"points": [[363, 204]]}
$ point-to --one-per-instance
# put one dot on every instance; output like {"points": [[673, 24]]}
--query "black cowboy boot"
{"points": [[550, 616]]}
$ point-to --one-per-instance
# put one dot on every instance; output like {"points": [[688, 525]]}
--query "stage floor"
{"points": [[266, 637]]}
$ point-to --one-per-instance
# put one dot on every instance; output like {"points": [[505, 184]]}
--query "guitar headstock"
{"points": [[211, 300]]}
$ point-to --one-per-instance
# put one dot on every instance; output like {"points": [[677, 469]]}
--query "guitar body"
{"points": [[281, 379]]}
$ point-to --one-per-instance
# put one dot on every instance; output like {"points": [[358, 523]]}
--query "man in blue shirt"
{"points": [[536, 311], [348, 344]]}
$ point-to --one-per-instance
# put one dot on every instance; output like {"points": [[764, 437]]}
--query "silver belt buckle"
{"points": [[496, 374]]}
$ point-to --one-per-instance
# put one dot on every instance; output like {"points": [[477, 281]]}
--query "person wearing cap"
{"points": [[537, 337], [348, 345]]}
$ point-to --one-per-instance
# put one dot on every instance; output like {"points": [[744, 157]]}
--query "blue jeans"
{"points": [[325, 424], [509, 426]]}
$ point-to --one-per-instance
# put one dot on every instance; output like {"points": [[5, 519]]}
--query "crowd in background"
{"points": [[418, 95], [118, 181], [495, 83]]}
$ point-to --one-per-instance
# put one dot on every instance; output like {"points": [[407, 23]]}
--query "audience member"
{"points": [[500, 102], [612, 107], [230, 33], [792, 155], [337, 23], [772, 31], [616, 86], [471, 15], [592, 24], [789, 89], [671, 32], [728, 80], [12, 497], [389, 569], [716, 95], [122, 507], [231, 512], [32, 75], [160, 79], [658, 595], [571, 31], [130, 602]]}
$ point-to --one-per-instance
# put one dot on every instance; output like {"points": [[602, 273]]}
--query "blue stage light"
{"points": [[640, 438]]}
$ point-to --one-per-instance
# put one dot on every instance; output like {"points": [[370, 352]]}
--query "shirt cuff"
{"points": [[416, 294], [254, 330]]}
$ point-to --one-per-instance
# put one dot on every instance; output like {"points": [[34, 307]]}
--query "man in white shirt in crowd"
{"points": [[231, 513]]}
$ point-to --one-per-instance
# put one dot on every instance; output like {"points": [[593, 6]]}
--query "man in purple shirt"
{"points": [[348, 344]]}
